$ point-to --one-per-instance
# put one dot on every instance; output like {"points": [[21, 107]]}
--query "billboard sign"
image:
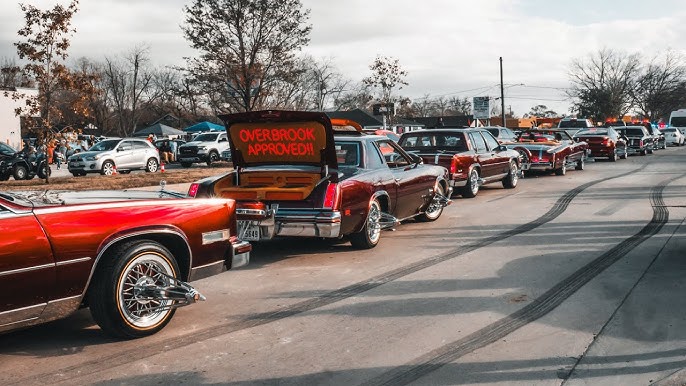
{"points": [[482, 107]]}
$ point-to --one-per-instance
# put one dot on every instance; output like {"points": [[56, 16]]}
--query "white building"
{"points": [[10, 124]]}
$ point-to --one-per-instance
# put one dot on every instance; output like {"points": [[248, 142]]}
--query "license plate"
{"points": [[248, 231]]}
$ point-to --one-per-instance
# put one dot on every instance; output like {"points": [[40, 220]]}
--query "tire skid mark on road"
{"points": [[141, 352], [539, 307]]}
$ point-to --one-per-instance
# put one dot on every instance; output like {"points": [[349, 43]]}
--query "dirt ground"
{"points": [[119, 181]]}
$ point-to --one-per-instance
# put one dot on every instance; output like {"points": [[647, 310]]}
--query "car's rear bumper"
{"points": [[291, 223]]}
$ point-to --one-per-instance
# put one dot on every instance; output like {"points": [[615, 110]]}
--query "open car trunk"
{"points": [[278, 155]]}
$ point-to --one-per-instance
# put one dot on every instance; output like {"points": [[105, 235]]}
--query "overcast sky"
{"points": [[448, 47]]}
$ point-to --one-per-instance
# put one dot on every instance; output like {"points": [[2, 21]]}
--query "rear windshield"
{"points": [[632, 132], [423, 141], [576, 123], [590, 132], [348, 154]]}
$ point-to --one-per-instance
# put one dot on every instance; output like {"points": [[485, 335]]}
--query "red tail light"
{"points": [[453, 166], [640, 143], [332, 196], [193, 190], [606, 142]]}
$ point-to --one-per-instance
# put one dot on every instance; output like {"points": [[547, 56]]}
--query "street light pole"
{"points": [[502, 93]]}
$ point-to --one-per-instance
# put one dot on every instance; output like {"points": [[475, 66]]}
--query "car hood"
{"points": [[262, 138], [69, 197], [191, 143]]}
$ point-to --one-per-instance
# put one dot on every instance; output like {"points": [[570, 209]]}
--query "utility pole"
{"points": [[502, 93]]}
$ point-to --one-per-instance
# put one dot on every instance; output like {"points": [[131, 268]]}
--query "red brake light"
{"points": [[606, 142], [331, 197], [193, 190], [453, 166]]}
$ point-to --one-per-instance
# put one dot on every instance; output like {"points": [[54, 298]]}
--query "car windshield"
{"points": [[678, 121], [423, 141], [106, 145], [209, 137], [572, 123]]}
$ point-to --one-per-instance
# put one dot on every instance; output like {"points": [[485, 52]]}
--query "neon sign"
{"points": [[279, 142]]}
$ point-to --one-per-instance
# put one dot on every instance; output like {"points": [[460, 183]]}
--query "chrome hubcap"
{"points": [[137, 308]]}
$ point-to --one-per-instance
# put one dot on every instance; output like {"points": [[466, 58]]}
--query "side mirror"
{"points": [[501, 148], [415, 158]]}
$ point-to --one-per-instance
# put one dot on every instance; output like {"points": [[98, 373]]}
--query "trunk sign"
{"points": [[297, 142]]}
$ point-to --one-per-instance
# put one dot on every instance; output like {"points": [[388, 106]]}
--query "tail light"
{"points": [[640, 143], [453, 166], [332, 195], [193, 190], [606, 142]]}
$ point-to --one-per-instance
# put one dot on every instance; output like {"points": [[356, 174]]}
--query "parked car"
{"points": [[604, 142], [117, 154], [673, 136], [550, 150], [659, 141], [572, 125], [22, 165], [502, 134], [205, 147], [640, 141], [473, 156], [58, 255], [293, 177]]}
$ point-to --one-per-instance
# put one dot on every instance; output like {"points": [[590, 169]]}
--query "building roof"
{"points": [[366, 120]]}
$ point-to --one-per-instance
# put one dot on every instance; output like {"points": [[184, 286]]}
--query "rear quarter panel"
{"points": [[85, 231]]}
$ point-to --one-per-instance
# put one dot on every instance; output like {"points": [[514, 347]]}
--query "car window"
{"points": [[348, 154], [105, 145], [491, 142], [478, 142], [373, 158], [6, 150], [393, 156], [440, 140], [509, 134], [141, 145]]}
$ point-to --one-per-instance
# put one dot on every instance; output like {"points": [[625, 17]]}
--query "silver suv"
{"points": [[120, 154]]}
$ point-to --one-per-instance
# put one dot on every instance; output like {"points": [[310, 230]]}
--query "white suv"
{"points": [[120, 154], [206, 147]]}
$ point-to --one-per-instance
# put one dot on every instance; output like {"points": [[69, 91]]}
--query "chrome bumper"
{"points": [[298, 223]]}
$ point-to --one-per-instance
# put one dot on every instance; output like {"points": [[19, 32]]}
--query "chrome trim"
{"points": [[75, 261], [128, 236], [207, 270], [252, 212], [52, 310], [21, 314], [27, 269], [240, 259]]}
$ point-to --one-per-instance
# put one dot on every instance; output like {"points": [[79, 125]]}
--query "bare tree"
{"points": [[387, 74], [659, 86], [12, 76], [246, 47], [129, 83], [358, 96], [602, 83]]}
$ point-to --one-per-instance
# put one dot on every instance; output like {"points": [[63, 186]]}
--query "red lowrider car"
{"points": [[292, 177], [550, 150], [127, 255], [473, 156], [603, 142]]}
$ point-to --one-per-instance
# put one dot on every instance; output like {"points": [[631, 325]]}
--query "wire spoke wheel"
{"points": [[137, 308]]}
